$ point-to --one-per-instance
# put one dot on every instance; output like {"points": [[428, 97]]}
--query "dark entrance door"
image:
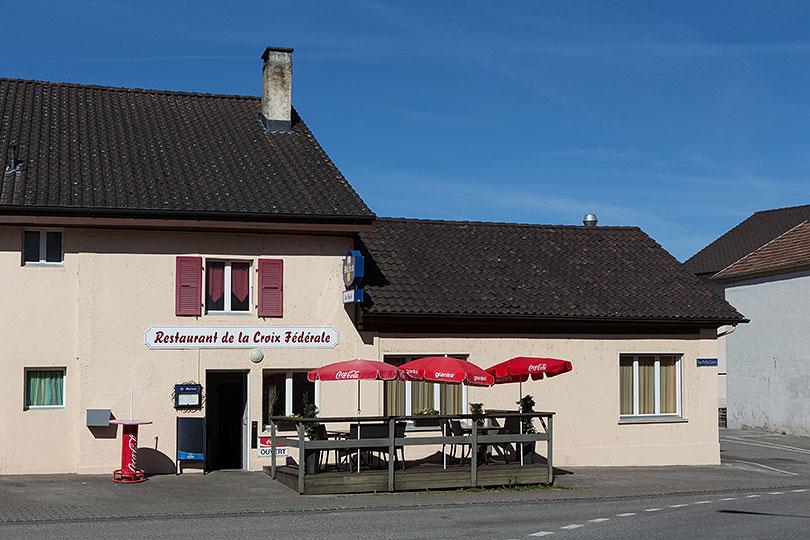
{"points": [[225, 401]]}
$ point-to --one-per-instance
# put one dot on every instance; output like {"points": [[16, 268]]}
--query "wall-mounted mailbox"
{"points": [[98, 417], [187, 396]]}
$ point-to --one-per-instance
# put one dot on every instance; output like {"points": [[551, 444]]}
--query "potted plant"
{"points": [[526, 404], [477, 410], [426, 420], [313, 431]]}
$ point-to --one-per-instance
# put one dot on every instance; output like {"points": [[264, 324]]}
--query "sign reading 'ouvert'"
{"points": [[170, 337]]}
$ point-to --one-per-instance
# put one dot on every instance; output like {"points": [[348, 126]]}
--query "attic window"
{"points": [[42, 248]]}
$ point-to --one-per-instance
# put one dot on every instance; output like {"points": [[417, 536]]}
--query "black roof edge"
{"points": [[183, 214], [720, 321]]}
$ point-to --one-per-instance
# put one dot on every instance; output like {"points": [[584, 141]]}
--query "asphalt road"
{"points": [[755, 515], [729, 513]]}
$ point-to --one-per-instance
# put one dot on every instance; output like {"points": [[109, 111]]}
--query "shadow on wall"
{"points": [[108, 432], [154, 461]]}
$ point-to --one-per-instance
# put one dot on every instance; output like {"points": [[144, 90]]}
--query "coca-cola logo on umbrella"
{"points": [[354, 374]]}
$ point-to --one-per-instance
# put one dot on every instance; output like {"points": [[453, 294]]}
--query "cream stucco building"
{"points": [[134, 248]]}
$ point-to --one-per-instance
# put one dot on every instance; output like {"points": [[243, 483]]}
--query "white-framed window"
{"points": [[42, 247], [227, 286], [404, 398], [284, 393], [44, 388], [649, 385]]}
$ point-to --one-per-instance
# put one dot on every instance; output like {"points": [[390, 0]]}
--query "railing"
{"points": [[479, 436]]}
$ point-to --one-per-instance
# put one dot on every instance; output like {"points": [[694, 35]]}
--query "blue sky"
{"points": [[682, 118]]}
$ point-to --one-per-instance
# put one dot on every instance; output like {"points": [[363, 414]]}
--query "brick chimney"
{"points": [[276, 89]]}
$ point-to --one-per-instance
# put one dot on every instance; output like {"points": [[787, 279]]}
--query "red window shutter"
{"points": [[189, 286], [271, 276]]}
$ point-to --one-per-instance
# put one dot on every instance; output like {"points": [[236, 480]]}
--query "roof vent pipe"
{"points": [[590, 220], [276, 110], [12, 157]]}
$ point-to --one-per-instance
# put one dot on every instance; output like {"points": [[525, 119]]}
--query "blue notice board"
{"points": [[707, 362]]}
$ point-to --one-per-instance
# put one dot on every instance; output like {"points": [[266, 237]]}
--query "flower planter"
{"points": [[312, 459], [426, 421], [287, 426], [528, 451]]}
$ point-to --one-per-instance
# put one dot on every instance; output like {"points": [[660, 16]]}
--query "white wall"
{"points": [[769, 358]]}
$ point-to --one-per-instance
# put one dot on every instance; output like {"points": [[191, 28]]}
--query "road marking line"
{"points": [[729, 499], [768, 445], [598, 520], [765, 467], [752, 496], [627, 514], [573, 526], [542, 533], [799, 490], [776, 493], [703, 502], [677, 505], [652, 509]]}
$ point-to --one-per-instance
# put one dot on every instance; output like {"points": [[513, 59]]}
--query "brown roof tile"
{"points": [[787, 252], [751, 234], [469, 268], [95, 148]]}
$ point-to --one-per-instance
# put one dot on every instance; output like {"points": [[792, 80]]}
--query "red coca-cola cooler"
{"points": [[129, 473]]}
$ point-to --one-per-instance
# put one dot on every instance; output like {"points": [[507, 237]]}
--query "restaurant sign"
{"points": [[169, 337], [266, 448]]}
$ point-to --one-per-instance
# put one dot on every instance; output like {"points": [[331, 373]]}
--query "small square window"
{"points": [[42, 247], [44, 388], [227, 287]]}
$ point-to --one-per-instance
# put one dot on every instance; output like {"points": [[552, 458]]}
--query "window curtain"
{"points": [[45, 388], [646, 385], [216, 280], [668, 385], [240, 280], [626, 386], [450, 399], [421, 396], [394, 398]]}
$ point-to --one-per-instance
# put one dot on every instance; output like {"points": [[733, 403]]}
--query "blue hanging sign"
{"points": [[707, 362], [352, 268], [352, 295]]}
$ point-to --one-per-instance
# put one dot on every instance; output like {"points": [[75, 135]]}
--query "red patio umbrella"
{"points": [[446, 369], [357, 369], [519, 368]]}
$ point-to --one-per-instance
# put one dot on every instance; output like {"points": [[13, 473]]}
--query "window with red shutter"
{"points": [[271, 276], [227, 288], [188, 289]]}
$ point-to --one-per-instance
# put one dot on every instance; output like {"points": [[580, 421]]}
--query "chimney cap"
{"points": [[268, 50], [590, 220]]}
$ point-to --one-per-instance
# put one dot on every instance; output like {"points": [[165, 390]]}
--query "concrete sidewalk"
{"points": [[749, 466]]}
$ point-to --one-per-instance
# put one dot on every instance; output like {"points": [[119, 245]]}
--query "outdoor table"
{"points": [[484, 450], [129, 473]]}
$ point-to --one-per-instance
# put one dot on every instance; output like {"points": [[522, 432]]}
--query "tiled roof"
{"points": [[751, 234], [469, 268], [788, 252], [98, 148]]}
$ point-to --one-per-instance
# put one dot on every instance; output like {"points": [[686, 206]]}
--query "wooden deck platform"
{"points": [[414, 478]]}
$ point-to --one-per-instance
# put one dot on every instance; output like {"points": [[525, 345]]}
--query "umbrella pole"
{"points": [[519, 446], [358, 425]]}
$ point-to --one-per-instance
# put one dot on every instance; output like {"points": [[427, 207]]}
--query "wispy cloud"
{"points": [[157, 59], [608, 154]]}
